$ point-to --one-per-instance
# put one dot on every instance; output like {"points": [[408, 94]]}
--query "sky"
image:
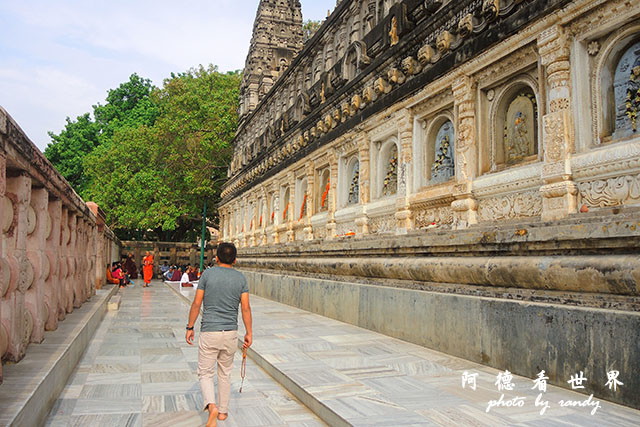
{"points": [[58, 58]]}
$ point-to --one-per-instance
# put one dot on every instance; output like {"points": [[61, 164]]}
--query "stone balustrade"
{"points": [[54, 246]]}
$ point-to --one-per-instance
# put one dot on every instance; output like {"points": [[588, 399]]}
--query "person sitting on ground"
{"points": [[118, 274], [168, 274], [193, 274], [177, 275], [184, 280], [110, 278], [164, 268]]}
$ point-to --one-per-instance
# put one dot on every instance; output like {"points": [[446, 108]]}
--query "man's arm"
{"points": [[246, 318], [193, 315]]}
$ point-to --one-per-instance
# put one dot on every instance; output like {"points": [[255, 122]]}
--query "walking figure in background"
{"points": [[147, 268], [222, 289]]}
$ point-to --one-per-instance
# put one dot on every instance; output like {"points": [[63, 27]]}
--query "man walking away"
{"points": [[222, 289]]}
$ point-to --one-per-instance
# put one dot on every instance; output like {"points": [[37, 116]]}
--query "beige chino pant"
{"points": [[216, 348]]}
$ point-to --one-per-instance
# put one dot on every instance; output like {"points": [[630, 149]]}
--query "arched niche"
{"points": [[301, 199], [515, 124], [620, 88], [353, 181], [324, 187], [355, 59], [387, 170], [285, 204], [440, 149]]}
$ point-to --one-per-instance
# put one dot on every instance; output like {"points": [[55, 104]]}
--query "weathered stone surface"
{"points": [[522, 337], [50, 261]]}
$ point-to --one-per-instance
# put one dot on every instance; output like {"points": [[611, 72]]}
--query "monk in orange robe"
{"points": [[147, 268]]}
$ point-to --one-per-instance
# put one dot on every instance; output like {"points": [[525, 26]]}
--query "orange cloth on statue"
{"points": [[147, 269], [110, 278]]}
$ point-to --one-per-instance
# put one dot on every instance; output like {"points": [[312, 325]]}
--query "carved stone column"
{"points": [[53, 254], [362, 222], [308, 229], [291, 180], [5, 273], [559, 192], [333, 194], [405, 134], [243, 222], [276, 212], [17, 321], [265, 215], [465, 206], [36, 230]]}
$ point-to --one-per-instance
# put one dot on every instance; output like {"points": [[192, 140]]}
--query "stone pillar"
{"points": [[16, 320], [253, 224], [405, 136], [5, 272], [362, 222], [291, 180], [53, 282], [311, 179], [465, 207], [35, 301], [333, 195], [559, 192], [276, 212]]}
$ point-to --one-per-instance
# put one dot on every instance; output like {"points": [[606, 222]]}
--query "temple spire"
{"points": [[277, 38]]}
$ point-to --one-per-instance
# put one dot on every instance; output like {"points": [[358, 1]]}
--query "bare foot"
{"points": [[222, 416], [213, 414]]}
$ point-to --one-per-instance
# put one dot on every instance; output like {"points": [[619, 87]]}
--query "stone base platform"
{"points": [[31, 386], [352, 376]]}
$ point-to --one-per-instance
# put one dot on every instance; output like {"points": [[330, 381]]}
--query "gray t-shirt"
{"points": [[222, 290]]}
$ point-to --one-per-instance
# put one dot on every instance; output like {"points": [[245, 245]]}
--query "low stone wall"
{"points": [[560, 296], [523, 337], [54, 246]]}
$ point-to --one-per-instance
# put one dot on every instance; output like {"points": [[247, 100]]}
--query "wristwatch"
{"points": [[189, 328]]}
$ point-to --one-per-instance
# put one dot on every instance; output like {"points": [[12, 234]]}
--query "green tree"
{"points": [[128, 106], [309, 28], [158, 177]]}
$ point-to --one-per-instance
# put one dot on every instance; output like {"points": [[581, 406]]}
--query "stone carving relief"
{"points": [[527, 204], [443, 164], [390, 182], [354, 183], [626, 89], [425, 217], [520, 127], [383, 224], [622, 190]]}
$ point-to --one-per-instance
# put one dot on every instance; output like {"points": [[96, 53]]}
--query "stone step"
{"points": [[114, 303], [31, 386], [353, 376]]}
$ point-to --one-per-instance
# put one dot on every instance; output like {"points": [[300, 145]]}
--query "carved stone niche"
{"points": [[514, 131]]}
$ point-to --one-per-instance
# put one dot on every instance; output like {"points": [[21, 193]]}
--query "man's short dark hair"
{"points": [[226, 253]]}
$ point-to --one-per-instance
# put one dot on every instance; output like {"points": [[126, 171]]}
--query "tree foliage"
{"points": [[157, 176], [128, 106], [309, 28]]}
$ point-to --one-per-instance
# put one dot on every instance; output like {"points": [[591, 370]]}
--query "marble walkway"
{"points": [[371, 379], [138, 371]]}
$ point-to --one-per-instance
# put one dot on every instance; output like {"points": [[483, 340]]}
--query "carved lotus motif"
{"points": [[425, 55], [443, 41]]}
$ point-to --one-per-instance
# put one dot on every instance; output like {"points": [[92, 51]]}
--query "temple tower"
{"points": [[277, 38]]}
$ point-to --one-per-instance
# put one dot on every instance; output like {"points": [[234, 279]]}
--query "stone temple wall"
{"points": [[461, 174], [54, 246]]}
